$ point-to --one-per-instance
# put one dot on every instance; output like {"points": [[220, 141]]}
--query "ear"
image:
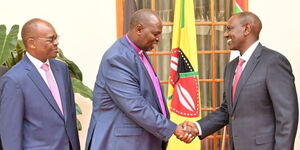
{"points": [[248, 29], [139, 29], [31, 43]]}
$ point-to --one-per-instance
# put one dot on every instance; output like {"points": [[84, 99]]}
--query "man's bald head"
{"points": [[144, 17], [31, 27], [253, 20], [40, 39], [145, 29]]}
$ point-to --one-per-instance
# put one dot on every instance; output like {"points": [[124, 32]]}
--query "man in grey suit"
{"points": [[129, 110], [37, 108], [263, 115]]}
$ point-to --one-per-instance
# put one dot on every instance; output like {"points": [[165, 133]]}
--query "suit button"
{"points": [[67, 143], [232, 118]]}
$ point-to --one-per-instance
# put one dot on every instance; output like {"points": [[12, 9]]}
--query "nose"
{"points": [[157, 38], [225, 34], [55, 42]]}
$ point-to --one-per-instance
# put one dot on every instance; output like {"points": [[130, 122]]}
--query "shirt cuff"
{"points": [[199, 128]]}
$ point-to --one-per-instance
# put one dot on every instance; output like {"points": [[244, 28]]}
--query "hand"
{"points": [[193, 128], [186, 132]]}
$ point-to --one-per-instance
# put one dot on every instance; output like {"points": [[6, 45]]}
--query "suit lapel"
{"points": [[37, 79], [127, 44], [58, 75], [152, 85], [252, 62], [164, 101], [230, 81]]}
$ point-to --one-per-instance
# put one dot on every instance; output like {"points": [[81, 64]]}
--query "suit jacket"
{"points": [[29, 116], [264, 115], [126, 111], [2, 71]]}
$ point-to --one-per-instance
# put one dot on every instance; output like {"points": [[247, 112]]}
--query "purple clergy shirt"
{"points": [[150, 70]]}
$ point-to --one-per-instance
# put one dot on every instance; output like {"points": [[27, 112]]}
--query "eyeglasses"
{"points": [[49, 39]]}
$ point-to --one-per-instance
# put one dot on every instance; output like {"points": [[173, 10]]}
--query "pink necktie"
{"points": [[237, 76], [155, 82], [52, 86]]}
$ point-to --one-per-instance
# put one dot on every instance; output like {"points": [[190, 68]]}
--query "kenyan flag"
{"points": [[183, 78], [240, 6], [183, 88]]}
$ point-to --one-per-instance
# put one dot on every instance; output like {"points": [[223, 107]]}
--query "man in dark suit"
{"points": [[129, 110], [37, 109], [260, 101]]}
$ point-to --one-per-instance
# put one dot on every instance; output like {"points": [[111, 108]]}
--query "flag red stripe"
{"points": [[241, 3]]}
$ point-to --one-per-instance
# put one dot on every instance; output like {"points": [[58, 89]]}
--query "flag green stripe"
{"points": [[170, 97], [182, 15], [188, 74], [237, 8]]}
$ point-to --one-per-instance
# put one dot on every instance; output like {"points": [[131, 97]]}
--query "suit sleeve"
{"points": [[122, 84], [282, 91], [11, 114], [215, 120]]}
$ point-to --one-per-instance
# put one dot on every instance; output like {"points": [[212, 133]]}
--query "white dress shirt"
{"points": [[37, 63]]}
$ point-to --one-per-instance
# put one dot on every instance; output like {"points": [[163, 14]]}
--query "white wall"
{"points": [[86, 28], [281, 32]]}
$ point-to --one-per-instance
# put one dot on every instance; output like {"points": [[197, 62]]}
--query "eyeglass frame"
{"points": [[49, 39]]}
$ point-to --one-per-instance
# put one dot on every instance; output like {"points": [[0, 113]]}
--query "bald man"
{"points": [[129, 109], [37, 108], [260, 102]]}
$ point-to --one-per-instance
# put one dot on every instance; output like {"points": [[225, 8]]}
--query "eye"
{"points": [[156, 34], [229, 28]]}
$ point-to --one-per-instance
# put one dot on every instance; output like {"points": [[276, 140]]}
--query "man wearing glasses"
{"points": [[37, 108]]}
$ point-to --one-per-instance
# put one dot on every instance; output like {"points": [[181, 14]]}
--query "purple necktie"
{"points": [[237, 76], [52, 86], [155, 82]]}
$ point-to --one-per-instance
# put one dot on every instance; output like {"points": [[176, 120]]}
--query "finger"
{"points": [[190, 139], [184, 127], [186, 137], [185, 123], [182, 136]]}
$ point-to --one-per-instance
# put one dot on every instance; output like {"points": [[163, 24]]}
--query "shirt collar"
{"points": [[37, 63], [138, 50], [246, 56]]}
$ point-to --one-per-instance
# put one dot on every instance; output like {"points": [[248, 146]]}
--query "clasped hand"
{"points": [[186, 131]]}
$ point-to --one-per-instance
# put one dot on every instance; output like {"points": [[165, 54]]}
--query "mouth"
{"points": [[154, 45], [229, 41], [55, 50]]}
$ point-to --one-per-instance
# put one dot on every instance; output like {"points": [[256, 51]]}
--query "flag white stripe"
{"points": [[174, 66]]}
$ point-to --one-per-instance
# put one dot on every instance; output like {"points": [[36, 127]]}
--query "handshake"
{"points": [[186, 131]]}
